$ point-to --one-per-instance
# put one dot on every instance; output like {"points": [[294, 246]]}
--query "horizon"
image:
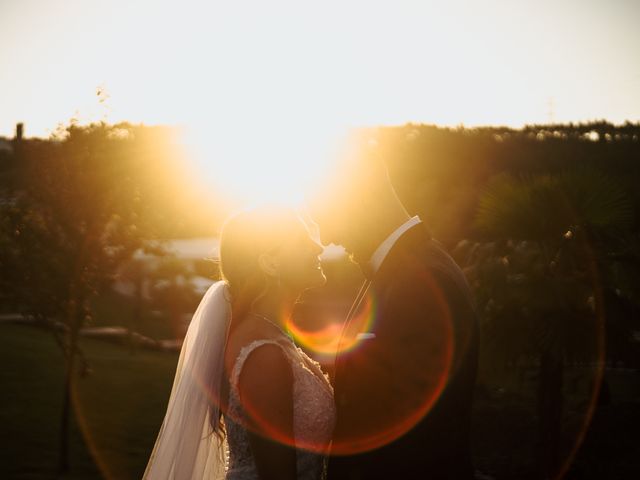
{"points": [[50, 136], [258, 86]]}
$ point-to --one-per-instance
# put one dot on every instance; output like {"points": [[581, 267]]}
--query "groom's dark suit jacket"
{"points": [[404, 393]]}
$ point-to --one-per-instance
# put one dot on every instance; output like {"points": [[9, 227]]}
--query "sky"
{"points": [[355, 62], [269, 69]]}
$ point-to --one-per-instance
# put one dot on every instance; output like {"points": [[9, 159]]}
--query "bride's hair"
{"points": [[243, 239]]}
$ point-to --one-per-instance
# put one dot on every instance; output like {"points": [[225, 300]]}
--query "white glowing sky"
{"points": [[287, 73]]}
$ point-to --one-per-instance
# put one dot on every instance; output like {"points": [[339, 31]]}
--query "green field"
{"points": [[119, 407]]}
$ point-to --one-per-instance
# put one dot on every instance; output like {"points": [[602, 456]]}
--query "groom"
{"points": [[406, 365]]}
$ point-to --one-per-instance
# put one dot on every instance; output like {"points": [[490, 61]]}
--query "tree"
{"points": [[75, 215], [541, 281], [440, 173]]}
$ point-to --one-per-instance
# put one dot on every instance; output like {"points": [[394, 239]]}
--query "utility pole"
{"points": [[551, 111], [19, 132]]}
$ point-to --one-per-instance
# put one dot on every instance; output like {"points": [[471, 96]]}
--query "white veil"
{"points": [[186, 447]]}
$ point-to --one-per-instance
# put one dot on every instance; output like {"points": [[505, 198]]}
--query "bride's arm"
{"points": [[266, 392]]}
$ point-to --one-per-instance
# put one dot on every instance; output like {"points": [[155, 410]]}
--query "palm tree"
{"points": [[540, 281]]}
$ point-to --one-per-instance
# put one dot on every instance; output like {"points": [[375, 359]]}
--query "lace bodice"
{"points": [[313, 415]]}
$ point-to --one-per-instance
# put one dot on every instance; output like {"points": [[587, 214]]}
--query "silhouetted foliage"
{"points": [[440, 173], [74, 216], [541, 283], [75, 208]]}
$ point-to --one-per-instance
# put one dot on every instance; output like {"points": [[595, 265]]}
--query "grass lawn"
{"points": [[111, 308], [118, 408]]}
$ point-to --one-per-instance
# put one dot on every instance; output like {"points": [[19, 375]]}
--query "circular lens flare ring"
{"points": [[334, 339]]}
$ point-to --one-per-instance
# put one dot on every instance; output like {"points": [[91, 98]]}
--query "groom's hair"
{"points": [[355, 197], [357, 180], [358, 173]]}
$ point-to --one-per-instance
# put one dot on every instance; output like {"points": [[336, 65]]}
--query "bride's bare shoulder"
{"points": [[241, 336]]}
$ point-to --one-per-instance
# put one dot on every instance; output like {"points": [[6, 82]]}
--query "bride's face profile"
{"points": [[297, 260], [271, 244]]}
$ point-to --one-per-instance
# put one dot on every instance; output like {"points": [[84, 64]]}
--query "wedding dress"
{"points": [[313, 415], [188, 449]]}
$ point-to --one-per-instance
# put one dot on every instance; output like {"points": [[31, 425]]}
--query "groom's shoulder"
{"points": [[423, 254], [417, 267]]}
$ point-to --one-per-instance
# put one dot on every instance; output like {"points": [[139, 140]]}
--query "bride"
{"points": [[246, 403]]}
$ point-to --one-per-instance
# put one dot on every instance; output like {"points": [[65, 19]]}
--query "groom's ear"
{"points": [[268, 264]]}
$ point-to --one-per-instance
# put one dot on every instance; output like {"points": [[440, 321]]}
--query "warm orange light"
{"points": [[334, 339]]}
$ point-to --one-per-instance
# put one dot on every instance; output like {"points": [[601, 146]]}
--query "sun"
{"points": [[275, 162]]}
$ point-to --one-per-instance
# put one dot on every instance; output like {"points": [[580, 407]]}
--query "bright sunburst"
{"points": [[273, 161]]}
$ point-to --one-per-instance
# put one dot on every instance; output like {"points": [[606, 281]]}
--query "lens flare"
{"points": [[599, 339], [333, 339], [96, 450], [393, 383], [323, 342]]}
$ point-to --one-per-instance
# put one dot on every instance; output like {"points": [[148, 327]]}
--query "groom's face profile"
{"points": [[335, 225], [342, 208]]}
